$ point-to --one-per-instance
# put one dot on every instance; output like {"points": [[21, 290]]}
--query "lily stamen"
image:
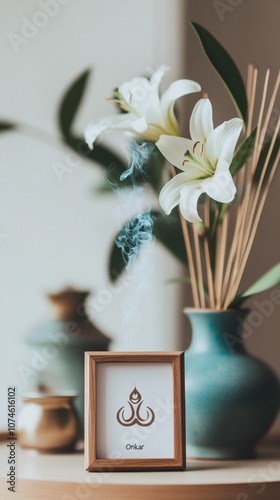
{"points": [[194, 146], [197, 163]]}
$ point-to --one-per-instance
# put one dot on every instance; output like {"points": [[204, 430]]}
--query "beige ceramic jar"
{"points": [[48, 422]]}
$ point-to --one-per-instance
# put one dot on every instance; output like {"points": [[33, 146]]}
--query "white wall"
{"points": [[59, 233]]}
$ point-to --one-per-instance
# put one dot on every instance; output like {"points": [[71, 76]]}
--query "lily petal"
{"points": [[175, 90], [94, 129], [173, 149], [158, 75], [201, 121], [190, 194], [154, 117], [139, 93], [222, 141], [220, 187], [170, 194], [139, 126]]}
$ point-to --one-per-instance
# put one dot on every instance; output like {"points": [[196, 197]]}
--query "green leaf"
{"points": [[225, 67], [262, 160], [243, 154], [166, 229], [154, 169], [67, 112], [270, 279], [70, 103], [116, 262], [129, 241], [102, 155], [6, 126], [181, 280]]}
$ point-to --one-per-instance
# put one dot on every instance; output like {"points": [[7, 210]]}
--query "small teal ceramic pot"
{"points": [[58, 347], [232, 398]]}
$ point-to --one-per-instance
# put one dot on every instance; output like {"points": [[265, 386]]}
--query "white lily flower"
{"points": [[204, 161], [147, 115]]}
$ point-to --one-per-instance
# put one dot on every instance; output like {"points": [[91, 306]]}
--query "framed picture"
{"points": [[134, 411]]}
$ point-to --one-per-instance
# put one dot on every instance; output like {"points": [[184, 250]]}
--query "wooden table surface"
{"points": [[62, 476]]}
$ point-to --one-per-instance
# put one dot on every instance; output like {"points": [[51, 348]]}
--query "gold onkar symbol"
{"points": [[135, 403]]}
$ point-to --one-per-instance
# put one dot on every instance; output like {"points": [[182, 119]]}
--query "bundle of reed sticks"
{"points": [[217, 256]]}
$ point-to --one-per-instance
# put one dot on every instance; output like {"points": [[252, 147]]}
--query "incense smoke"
{"points": [[136, 237], [140, 153], [139, 230]]}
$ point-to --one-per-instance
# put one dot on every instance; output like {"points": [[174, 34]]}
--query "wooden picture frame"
{"points": [[134, 411]]}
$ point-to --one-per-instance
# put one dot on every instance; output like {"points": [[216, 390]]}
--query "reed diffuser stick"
{"points": [[198, 264], [192, 271], [206, 244]]}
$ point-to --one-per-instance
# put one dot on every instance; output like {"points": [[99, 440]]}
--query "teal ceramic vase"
{"points": [[58, 347], [232, 398]]}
